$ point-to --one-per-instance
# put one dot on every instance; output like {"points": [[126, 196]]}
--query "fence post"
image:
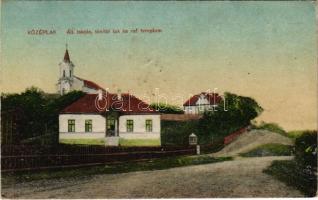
{"points": [[198, 149]]}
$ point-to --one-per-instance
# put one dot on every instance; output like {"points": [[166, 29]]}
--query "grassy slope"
{"points": [[83, 141], [277, 129], [295, 134], [269, 150], [139, 142], [122, 142]]}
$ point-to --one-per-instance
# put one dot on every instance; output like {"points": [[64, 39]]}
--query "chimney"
{"points": [[100, 95], [119, 97]]}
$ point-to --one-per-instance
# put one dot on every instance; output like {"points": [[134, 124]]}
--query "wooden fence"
{"points": [[228, 139], [29, 157]]}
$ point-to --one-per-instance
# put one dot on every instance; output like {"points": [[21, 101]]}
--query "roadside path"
{"points": [[242, 177], [250, 140]]}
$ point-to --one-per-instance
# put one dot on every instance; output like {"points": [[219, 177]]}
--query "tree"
{"points": [[55, 105], [30, 105], [38, 112], [166, 108], [233, 113]]}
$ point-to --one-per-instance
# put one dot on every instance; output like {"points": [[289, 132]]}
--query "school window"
{"points": [[149, 125], [71, 125], [130, 125], [88, 125]]}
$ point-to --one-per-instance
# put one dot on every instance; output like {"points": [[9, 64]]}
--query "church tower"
{"points": [[66, 76]]}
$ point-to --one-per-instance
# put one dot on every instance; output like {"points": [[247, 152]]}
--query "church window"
{"points": [[70, 73], [63, 73]]}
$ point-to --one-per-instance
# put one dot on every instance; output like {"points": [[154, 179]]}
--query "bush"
{"points": [[176, 132], [300, 172], [166, 108], [306, 149], [216, 145], [293, 174]]}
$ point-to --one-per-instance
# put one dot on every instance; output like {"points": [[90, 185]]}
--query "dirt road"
{"points": [[242, 177]]}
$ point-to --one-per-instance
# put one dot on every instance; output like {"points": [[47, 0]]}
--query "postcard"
{"points": [[158, 99]]}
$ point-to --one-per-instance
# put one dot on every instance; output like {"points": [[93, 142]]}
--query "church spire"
{"points": [[66, 56]]}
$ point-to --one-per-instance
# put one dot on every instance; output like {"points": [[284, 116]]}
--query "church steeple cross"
{"points": [[66, 55]]}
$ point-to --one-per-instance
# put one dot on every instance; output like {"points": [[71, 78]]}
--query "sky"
{"points": [[265, 50]]}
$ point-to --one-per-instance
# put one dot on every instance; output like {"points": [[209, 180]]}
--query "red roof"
{"points": [[128, 104], [91, 84], [86, 104], [213, 98]]}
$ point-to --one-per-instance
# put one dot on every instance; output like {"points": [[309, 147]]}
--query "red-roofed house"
{"points": [[96, 116], [199, 103]]}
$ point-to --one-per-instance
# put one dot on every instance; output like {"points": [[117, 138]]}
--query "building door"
{"points": [[111, 127], [112, 124]]}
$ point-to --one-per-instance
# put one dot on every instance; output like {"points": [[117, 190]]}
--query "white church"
{"points": [[100, 114], [68, 81]]}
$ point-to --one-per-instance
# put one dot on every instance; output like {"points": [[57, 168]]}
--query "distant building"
{"points": [[199, 103], [68, 81]]}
